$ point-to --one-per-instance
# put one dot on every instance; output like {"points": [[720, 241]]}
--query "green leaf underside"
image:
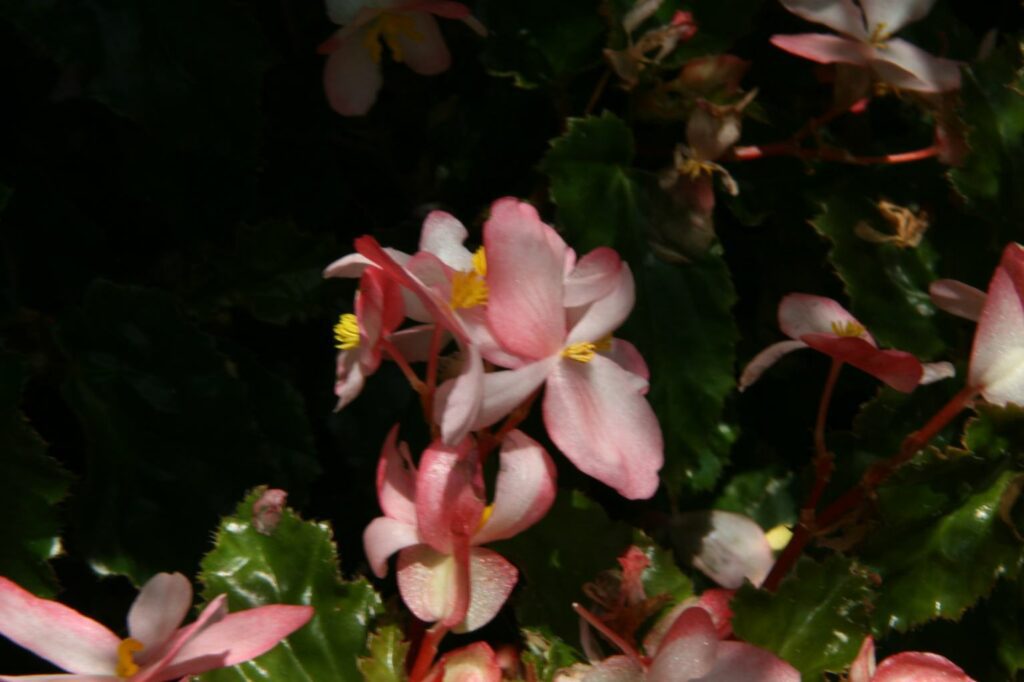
{"points": [[387, 654], [295, 563]]}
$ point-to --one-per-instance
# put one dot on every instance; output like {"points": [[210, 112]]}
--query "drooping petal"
{"points": [[596, 414], [501, 392], [863, 667], [824, 48], [424, 50], [604, 315], [351, 77], [236, 638], [491, 579], [414, 343], [626, 356], [353, 264], [916, 666], [525, 261], [688, 650], [615, 669], [158, 610], [382, 538], [443, 235], [524, 491], [396, 480], [733, 548], [460, 410], [908, 67], [801, 314], [593, 277], [55, 632], [893, 15], [896, 368], [442, 8], [957, 298], [449, 490], [349, 379], [997, 358], [765, 359], [839, 15], [936, 371], [742, 661]]}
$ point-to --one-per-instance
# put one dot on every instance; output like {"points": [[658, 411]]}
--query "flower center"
{"points": [[346, 332], [693, 169], [389, 27], [879, 35], [584, 351], [469, 289], [126, 666], [847, 328]]}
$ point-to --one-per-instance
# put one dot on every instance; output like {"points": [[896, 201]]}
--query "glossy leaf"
{"points": [[816, 620], [386, 661], [295, 563], [663, 576], [765, 495]]}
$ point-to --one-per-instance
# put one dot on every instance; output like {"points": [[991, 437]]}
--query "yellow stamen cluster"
{"points": [[693, 169], [469, 289], [584, 351], [847, 328], [346, 332], [485, 516], [389, 27], [879, 35], [126, 666]]}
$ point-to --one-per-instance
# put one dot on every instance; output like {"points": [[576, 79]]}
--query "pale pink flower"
{"points": [[732, 548], [157, 647], [435, 518], [957, 298], [909, 666], [997, 358], [867, 28], [555, 315], [474, 663], [352, 76]]}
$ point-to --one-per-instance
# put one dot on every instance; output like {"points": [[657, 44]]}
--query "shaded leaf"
{"points": [[546, 654], [662, 576], [295, 563], [765, 495], [388, 651], [817, 619]]}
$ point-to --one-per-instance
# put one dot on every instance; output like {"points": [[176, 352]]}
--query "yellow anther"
{"points": [[879, 35], [480, 262], [469, 289], [346, 332], [778, 537], [584, 351], [847, 328], [485, 516], [126, 666], [389, 27], [693, 169]]}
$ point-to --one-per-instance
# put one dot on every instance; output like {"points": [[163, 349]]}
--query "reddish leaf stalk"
{"points": [[822, 457], [489, 441], [433, 359], [403, 364], [609, 634], [428, 650]]}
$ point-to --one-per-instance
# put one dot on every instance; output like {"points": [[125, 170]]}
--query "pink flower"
{"points": [[436, 519], [732, 548], [554, 316], [474, 663], [867, 28], [157, 648], [824, 325], [909, 666], [997, 359], [352, 76]]}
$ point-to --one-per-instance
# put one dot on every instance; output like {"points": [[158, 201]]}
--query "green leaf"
{"points": [[294, 563], [538, 42], [388, 651], [765, 495], [817, 620], [568, 548], [174, 428], [887, 285], [35, 484], [546, 654], [662, 576], [682, 323], [1006, 613]]}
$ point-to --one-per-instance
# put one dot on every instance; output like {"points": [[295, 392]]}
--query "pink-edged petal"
{"points": [[765, 359], [604, 315], [908, 67], [449, 489], [55, 632], [596, 414], [212, 613], [525, 260], [896, 368], [474, 320], [351, 77], [615, 669], [426, 581], [382, 538], [839, 15], [863, 667], [918, 666], [997, 359], [524, 491], [474, 663], [157, 611], [414, 343], [936, 371], [443, 235], [379, 306], [688, 650], [491, 579], [593, 277], [354, 264], [824, 48], [741, 661], [957, 298], [893, 15], [501, 392], [349, 378], [237, 638], [801, 314], [396, 480], [716, 602], [626, 356], [1013, 262], [424, 50], [733, 549], [459, 411]]}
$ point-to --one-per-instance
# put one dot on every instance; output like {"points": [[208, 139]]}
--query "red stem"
{"points": [[789, 148], [403, 365], [822, 457], [609, 634], [433, 359], [428, 650]]}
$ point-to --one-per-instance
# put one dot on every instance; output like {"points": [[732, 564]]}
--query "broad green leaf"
{"points": [[294, 563], [546, 654], [35, 484], [174, 428], [386, 661], [662, 576], [887, 285], [1005, 608], [816, 620], [568, 548], [765, 495], [682, 322], [540, 43]]}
